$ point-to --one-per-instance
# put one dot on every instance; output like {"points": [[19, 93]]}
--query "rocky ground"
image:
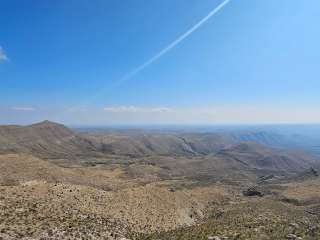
{"points": [[55, 184], [41, 210], [260, 219]]}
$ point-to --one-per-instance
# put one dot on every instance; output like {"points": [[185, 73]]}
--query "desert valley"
{"points": [[62, 183]]}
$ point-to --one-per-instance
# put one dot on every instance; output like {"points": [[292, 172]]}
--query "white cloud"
{"points": [[24, 109], [161, 109], [133, 109], [3, 56], [75, 110], [218, 114]]}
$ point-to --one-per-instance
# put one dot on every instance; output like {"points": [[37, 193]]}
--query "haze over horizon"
{"points": [[163, 62]]}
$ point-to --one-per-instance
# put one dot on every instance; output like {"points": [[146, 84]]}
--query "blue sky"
{"points": [[252, 62]]}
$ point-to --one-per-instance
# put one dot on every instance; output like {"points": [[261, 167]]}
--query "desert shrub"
{"points": [[9, 182]]}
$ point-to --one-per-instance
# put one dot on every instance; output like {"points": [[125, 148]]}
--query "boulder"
{"points": [[293, 237], [253, 191], [214, 238], [314, 172]]}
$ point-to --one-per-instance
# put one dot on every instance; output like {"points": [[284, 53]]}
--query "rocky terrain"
{"points": [[59, 184]]}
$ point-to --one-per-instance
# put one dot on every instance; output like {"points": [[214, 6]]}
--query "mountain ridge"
{"points": [[49, 140]]}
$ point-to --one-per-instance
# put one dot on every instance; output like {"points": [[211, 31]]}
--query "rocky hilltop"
{"points": [[46, 139]]}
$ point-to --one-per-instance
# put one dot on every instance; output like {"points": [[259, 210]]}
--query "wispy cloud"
{"points": [[133, 109], [24, 109], [3, 56]]}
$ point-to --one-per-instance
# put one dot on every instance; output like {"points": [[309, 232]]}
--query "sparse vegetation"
{"points": [[229, 194]]}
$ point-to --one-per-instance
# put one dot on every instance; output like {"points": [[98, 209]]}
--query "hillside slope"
{"points": [[191, 155], [263, 158], [45, 139]]}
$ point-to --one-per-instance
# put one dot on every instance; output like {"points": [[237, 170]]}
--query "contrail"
{"points": [[174, 43], [161, 53]]}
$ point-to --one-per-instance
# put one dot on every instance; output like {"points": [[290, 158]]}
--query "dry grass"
{"points": [[259, 219]]}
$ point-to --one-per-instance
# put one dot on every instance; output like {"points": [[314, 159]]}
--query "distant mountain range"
{"points": [[214, 155], [292, 137]]}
